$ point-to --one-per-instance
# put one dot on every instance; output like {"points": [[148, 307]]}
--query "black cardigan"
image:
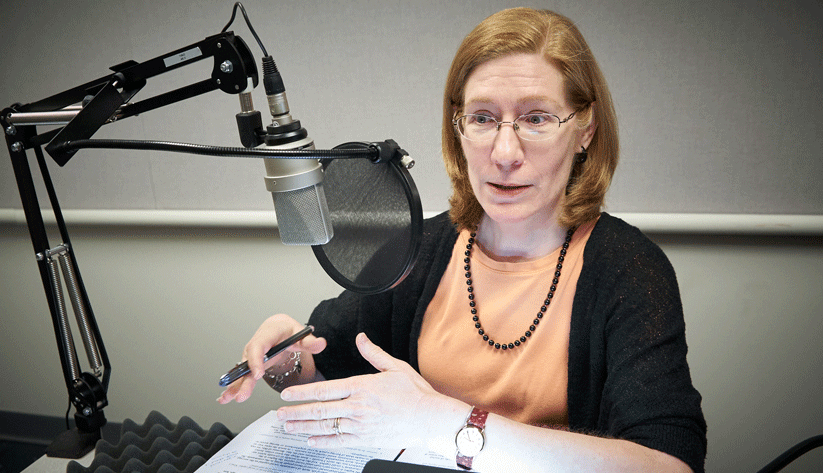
{"points": [[628, 375]]}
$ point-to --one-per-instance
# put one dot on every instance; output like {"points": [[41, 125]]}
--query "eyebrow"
{"points": [[528, 99]]}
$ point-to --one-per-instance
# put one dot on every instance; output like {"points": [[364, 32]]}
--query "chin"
{"points": [[503, 214], [514, 214]]}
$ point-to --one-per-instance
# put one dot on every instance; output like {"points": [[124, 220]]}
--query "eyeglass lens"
{"points": [[532, 126]]}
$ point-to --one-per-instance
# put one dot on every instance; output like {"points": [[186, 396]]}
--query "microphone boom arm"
{"points": [[79, 112], [105, 100]]}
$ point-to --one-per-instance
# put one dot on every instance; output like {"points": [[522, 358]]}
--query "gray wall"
{"points": [[719, 112], [718, 102]]}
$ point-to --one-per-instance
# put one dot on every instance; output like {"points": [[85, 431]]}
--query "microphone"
{"points": [[296, 185], [374, 203]]}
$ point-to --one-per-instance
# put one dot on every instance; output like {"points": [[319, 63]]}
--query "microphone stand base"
{"points": [[73, 444]]}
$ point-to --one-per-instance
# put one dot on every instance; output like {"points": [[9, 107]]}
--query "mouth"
{"points": [[507, 187]]}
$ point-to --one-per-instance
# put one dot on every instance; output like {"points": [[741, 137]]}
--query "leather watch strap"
{"points": [[477, 418]]}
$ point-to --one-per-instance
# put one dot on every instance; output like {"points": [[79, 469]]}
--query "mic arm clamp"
{"points": [[389, 150]]}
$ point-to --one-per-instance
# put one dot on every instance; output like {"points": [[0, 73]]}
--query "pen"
{"points": [[242, 369]]}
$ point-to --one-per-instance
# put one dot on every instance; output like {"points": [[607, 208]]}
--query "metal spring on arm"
{"points": [[80, 313], [65, 331]]}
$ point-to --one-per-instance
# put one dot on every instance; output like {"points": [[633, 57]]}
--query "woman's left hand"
{"points": [[393, 408]]}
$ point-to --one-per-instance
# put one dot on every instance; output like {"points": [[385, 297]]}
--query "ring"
{"points": [[336, 427]]}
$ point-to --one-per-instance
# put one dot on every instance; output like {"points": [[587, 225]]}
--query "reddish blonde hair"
{"points": [[524, 30]]}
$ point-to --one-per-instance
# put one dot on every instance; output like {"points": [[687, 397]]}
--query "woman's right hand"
{"points": [[272, 331]]}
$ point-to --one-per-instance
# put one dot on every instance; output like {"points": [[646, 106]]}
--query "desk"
{"points": [[47, 464]]}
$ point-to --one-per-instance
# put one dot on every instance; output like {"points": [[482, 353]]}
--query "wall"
{"points": [[715, 100]]}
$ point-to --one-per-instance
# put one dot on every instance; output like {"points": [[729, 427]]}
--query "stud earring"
{"points": [[581, 156]]}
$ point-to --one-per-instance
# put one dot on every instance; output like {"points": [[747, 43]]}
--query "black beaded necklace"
{"points": [[543, 308]]}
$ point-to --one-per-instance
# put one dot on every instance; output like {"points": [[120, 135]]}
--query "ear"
{"points": [[591, 127]]}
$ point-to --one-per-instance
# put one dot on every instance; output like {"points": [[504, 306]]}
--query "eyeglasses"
{"points": [[530, 127]]}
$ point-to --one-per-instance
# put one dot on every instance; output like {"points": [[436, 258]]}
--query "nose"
{"points": [[507, 151]]}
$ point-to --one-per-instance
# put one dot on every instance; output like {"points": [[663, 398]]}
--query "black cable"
{"points": [[254, 33], [793, 454], [369, 153], [67, 416]]}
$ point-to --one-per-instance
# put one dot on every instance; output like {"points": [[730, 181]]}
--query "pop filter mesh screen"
{"points": [[376, 217]]}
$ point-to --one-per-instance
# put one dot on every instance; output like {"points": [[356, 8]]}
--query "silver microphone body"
{"points": [[296, 186]]}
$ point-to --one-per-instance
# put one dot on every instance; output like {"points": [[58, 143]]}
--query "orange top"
{"points": [[528, 383]]}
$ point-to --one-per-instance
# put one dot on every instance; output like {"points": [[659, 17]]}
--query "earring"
{"points": [[581, 156]]}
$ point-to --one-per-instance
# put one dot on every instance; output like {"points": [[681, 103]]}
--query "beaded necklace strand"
{"points": [[543, 308]]}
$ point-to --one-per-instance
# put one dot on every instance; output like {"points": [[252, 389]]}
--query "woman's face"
{"points": [[515, 180]]}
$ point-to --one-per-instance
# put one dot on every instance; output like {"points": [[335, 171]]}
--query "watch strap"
{"points": [[476, 418]]}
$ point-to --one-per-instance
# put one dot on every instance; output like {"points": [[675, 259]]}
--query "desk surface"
{"points": [[46, 464]]}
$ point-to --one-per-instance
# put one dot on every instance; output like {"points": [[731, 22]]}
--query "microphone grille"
{"points": [[303, 216]]}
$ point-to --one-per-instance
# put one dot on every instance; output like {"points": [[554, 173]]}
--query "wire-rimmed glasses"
{"points": [[529, 126]]}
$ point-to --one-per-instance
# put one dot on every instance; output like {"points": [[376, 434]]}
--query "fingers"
{"points": [[325, 433], [253, 355], [372, 409], [238, 391], [324, 391], [343, 388], [334, 426], [310, 344], [318, 419], [374, 354], [272, 331]]}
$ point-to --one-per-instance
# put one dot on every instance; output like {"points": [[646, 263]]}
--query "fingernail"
{"points": [[286, 395], [311, 441]]}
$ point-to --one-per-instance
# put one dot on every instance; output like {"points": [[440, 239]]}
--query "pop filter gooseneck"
{"points": [[377, 219]]}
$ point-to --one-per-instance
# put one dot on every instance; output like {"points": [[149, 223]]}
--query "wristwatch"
{"points": [[471, 438]]}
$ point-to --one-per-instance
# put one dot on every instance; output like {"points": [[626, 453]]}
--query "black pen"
{"points": [[242, 369]]}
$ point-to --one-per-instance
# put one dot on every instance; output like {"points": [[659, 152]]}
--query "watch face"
{"points": [[470, 441]]}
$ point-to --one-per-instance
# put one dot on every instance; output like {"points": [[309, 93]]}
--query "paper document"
{"points": [[421, 457], [266, 446]]}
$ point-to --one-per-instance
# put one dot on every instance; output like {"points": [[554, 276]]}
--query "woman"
{"points": [[560, 329]]}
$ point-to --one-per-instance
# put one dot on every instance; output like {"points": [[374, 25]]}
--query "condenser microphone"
{"points": [[296, 185]]}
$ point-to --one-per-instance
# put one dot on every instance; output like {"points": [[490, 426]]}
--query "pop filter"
{"points": [[377, 218]]}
